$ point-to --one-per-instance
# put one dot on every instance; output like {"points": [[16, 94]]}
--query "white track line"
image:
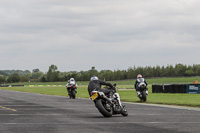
{"points": [[73, 123], [167, 106]]}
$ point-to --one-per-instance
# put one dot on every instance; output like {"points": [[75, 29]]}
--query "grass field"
{"points": [[128, 95]]}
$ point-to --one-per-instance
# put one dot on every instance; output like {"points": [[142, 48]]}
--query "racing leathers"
{"points": [[96, 85], [137, 82], [68, 85]]}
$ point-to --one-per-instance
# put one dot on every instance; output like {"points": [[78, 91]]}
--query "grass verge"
{"points": [[128, 95]]}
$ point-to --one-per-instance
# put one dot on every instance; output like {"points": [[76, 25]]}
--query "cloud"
{"points": [[110, 34]]}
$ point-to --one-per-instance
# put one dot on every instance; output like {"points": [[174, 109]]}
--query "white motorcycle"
{"points": [[72, 87]]}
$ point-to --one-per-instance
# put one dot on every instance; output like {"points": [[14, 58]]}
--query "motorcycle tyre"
{"points": [[124, 112], [70, 95], [73, 94], [144, 96], [102, 110]]}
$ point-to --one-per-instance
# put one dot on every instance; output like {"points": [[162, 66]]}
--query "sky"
{"points": [[76, 35]]}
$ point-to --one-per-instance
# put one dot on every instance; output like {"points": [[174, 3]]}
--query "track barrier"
{"points": [[176, 88]]}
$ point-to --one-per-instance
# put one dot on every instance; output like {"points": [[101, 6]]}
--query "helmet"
{"points": [[71, 79], [94, 78], [139, 76]]}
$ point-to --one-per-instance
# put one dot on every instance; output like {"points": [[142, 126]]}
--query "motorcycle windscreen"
{"points": [[140, 80]]}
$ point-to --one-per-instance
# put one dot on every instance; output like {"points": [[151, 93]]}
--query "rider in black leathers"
{"points": [[96, 83]]}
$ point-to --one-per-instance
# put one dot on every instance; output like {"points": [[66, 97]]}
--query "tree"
{"points": [[43, 78], [35, 70], [2, 79], [3, 73], [53, 74], [180, 69], [196, 69], [26, 77], [170, 71], [106, 75], [189, 73], [14, 78], [157, 71], [36, 75], [93, 72]]}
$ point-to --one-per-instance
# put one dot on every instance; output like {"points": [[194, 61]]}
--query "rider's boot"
{"points": [[118, 98], [147, 92], [138, 94]]}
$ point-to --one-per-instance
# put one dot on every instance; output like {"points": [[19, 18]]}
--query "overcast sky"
{"points": [[75, 35]]}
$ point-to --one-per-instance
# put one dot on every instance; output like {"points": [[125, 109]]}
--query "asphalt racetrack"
{"points": [[22, 112]]}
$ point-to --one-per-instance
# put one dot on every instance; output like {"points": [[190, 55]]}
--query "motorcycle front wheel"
{"points": [[101, 106], [144, 96], [124, 112], [73, 94]]}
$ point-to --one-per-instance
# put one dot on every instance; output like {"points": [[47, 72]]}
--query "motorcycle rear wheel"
{"points": [[101, 107]]}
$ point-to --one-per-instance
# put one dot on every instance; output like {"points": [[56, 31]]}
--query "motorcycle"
{"points": [[108, 105], [72, 87], [142, 88]]}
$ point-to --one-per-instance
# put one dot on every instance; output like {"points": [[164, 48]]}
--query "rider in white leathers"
{"points": [[69, 83]]}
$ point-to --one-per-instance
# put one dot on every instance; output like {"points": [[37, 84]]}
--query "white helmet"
{"points": [[71, 79], [94, 78]]}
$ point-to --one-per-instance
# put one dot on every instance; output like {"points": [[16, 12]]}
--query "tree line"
{"points": [[54, 75]]}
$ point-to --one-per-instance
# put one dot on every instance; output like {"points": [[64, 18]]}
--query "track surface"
{"points": [[35, 113]]}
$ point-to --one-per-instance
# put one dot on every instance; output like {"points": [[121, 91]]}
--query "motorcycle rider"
{"points": [[137, 82], [96, 83], [69, 84]]}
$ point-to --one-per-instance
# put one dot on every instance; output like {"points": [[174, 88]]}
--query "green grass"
{"points": [[183, 80], [59, 91], [128, 95], [171, 99], [180, 80]]}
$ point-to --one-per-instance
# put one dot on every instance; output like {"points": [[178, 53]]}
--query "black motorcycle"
{"points": [[142, 88], [108, 105]]}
